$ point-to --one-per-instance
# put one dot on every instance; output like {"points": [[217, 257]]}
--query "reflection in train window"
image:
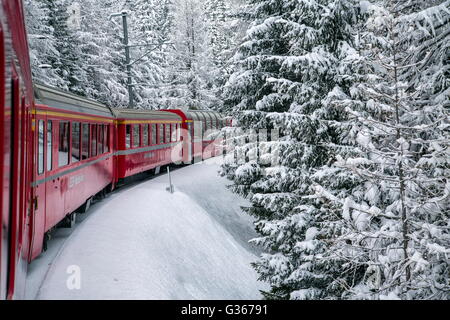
{"points": [[41, 147], [145, 135], [106, 142], [161, 133], [85, 141], [167, 133], [49, 145], [136, 137], [63, 147], [93, 140], [100, 139], [75, 141], [128, 136], [153, 134]]}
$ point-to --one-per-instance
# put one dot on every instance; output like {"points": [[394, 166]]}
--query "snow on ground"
{"points": [[145, 243]]}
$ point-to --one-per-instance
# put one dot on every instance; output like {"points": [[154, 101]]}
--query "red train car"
{"points": [[201, 133], [58, 153], [74, 158], [16, 149], [147, 140]]}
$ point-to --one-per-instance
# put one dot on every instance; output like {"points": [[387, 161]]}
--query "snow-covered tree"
{"points": [[102, 53], [190, 59], [289, 66], [44, 53], [152, 28], [395, 225], [67, 64]]}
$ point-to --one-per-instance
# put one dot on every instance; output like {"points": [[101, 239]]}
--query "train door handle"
{"points": [[35, 202]]}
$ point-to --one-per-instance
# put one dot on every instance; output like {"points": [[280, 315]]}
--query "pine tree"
{"points": [[153, 24], [102, 57], [42, 43], [289, 69], [395, 225], [188, 79], [67, 64]]}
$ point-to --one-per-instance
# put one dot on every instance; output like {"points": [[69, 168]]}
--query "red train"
{"points": [[59, 150]]}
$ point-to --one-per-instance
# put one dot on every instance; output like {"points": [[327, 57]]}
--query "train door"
{"points": [[38, 218], [17, 214]]}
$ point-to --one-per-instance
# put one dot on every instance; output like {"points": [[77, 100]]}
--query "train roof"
{"points": [[203, 115], [57, 98], [134, 114]]}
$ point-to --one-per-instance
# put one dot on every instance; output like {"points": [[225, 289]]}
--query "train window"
{"points": [[145, 135], [41, 147], [63, 147], [136, 137], [106, 142], [85, 141], [167, 133], [100, 139], [75, 141], [161, 133], [153, 134], [49, 145], [174, 132], [189, 129], [198, 130], [93, 140], [128, 136]]}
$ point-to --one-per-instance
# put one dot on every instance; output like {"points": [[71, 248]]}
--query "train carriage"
{"points": [[201, 134], [16, 149], [58, 153], [74, 158], [147, 140]]}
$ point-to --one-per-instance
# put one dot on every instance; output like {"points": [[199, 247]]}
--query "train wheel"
{"points": [[45, 242], [69, 221], [85, 207]]}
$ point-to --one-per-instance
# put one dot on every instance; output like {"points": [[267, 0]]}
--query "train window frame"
{"points": [[161, 133], [93, 142], [128, 136], [41, 147], [74, 158], [154, 133], [49, 155], [145, 137], [63, 139], [100, 137], [85, 145], [173, 134], [134, 134], [167, 133], [106, 137]]}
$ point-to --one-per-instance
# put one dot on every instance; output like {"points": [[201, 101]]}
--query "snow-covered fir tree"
{"points": [[395, 224], [41, 43], [224, 32], [190, 60], [152, 27], [289, 66], [102, 53], [67, 63]]}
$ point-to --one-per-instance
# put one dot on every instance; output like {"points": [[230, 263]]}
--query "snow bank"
{"points": [[145, 243]]}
